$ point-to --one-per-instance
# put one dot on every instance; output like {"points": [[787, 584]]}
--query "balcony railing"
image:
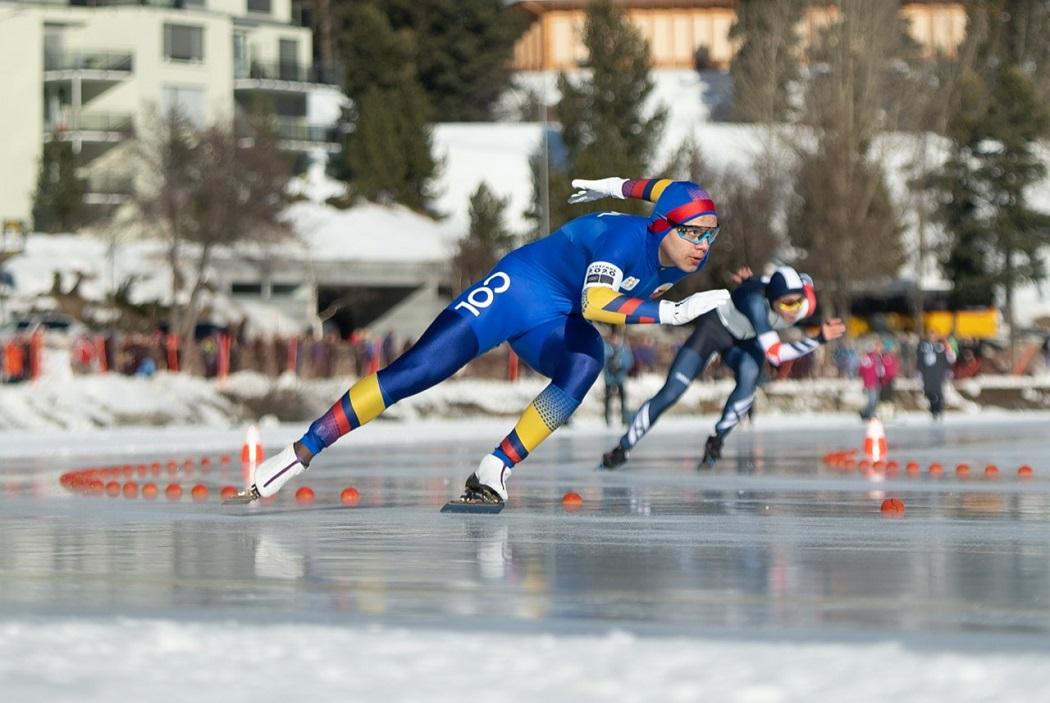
{"points": [[294, 130], [287, 72], [122, 123], [85, 61]]}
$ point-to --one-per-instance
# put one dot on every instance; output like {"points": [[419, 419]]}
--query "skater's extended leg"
{"points": [[687, 365], [708, 336], [746, 361], [568, 351], [444, 348]]}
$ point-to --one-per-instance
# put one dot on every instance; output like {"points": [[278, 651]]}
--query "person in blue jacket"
{"points": [[745, 334], [543, 298], [618, 362]]}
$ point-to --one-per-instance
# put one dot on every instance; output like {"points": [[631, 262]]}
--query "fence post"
{"points": [[512, 364], [293, 354], [100, 353], [173, 353], [223, 365], [36, 354]]}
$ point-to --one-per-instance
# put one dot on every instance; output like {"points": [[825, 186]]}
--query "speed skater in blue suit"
{"points": [[543, 298], [745, 334]]}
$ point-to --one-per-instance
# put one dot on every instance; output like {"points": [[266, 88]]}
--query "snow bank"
{"points": [[88, 660]]}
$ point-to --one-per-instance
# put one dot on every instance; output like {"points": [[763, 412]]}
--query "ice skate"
{"points": [[271, 475], [486, 488], [712, 451], [617, 456]]}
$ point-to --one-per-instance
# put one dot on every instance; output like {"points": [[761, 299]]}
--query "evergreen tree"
{"points": [[462, 52], [58, 204], [487, 239], [998, 119], [604, 127], [388, 151], [374, 55], [842, 217], [766, 66]]}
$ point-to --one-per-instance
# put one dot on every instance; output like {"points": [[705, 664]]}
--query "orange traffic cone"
{"points": [[875, 440], [251, 450]]}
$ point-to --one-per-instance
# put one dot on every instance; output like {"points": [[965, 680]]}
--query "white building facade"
{"points": [[93, 72]]}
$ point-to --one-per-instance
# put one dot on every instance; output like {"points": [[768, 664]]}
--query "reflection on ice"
{"points": [[768, 539]]}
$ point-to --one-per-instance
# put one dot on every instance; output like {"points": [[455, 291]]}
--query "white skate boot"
{"points": [[490, 479], [486, 489], [271, 475]]}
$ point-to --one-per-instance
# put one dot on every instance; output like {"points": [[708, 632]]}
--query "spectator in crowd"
{"points": [[846, 360], [935, 359], [871, 373], [83, 355], [644, 351], [968, 364], [618, 363], [890, 370], [390, 347]]}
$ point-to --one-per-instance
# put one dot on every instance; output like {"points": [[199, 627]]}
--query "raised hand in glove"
{"points": [[692, 307], [596, 190]]}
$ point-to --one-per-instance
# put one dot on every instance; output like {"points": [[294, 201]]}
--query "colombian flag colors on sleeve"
{"points": [[645, 188], [603, 304]]}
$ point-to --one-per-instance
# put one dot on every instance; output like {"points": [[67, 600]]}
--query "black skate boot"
{"points": [[617, 456], [712, 451]]}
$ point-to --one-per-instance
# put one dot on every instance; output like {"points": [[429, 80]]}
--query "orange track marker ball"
{"points": [[305, 495], [113, 488], [991, 471], [173, 491], [149, 490], [349, 496], [227, 492], [912, 468], [199, 493], [936, 469], [1025, 471], [892, 467], [131, 489], [962, 470], [892, 507], [571, 500]]}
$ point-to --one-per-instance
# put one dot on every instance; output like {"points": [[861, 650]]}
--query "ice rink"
{"points": [[771, 577]]}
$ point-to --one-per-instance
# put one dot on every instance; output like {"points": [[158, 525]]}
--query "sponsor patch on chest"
{"points": [[629, 283]]}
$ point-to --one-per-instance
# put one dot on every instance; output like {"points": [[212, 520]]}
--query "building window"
{"points": [[259, 6], [183, 42], [238, 288], [186, 99], [283, 290], [288, 60]]}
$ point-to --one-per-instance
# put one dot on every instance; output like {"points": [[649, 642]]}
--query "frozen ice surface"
{"points": [[768, 578]]}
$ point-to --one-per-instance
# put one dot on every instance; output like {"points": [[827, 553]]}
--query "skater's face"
{"points": [[688, 243], [790, 306]]}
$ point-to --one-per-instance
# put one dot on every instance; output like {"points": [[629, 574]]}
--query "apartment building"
{"points": [[93, 72], [685, 34]]}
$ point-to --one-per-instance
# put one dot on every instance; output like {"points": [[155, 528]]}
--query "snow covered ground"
{"points": [[769, 578]]}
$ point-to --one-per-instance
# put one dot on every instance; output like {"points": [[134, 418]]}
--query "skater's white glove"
{"points": [[692, 307], [596, 190]]}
